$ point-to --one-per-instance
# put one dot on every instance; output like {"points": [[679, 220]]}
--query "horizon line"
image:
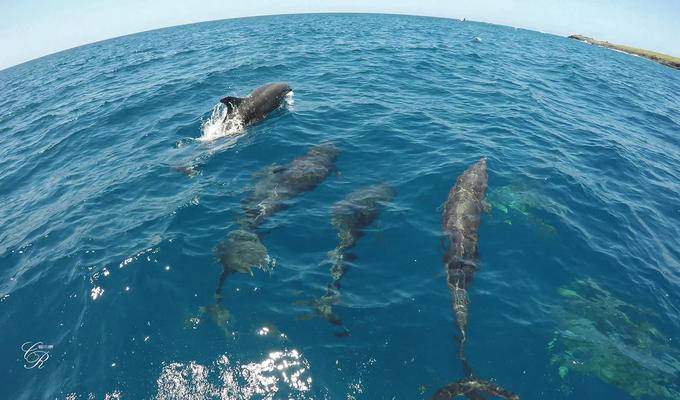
{"points": [[265, 15]]}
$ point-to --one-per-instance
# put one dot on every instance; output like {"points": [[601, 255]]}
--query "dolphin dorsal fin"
{"points": [[231, 102]]}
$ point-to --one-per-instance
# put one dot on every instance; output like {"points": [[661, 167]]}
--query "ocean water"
{"points": [[117, 185]]}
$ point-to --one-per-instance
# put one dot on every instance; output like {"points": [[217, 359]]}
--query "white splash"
{"points": [[290, 100], [96, 292], [264, 331], [218, 125]]}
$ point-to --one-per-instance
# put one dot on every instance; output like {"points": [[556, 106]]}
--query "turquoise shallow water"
{"points": [[107, 251]]}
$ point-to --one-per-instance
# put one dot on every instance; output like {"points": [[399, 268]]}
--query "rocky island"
{"points": [[673, 62]]}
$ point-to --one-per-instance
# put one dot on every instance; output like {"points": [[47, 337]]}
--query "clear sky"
{"points": [[34, 28]]}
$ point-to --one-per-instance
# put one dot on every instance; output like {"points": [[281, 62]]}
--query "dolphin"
{"points": [[257, 104], [238, 113], [276, 184], [349, 217], [460, 223], [242, 249]]}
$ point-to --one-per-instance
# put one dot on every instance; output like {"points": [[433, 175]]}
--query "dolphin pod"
{"points": [[460, 223], [274, 186], [257, 104], [349, 217]]}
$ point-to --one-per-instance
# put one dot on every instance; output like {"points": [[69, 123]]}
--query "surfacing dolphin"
{"points": [[460, 223], [257, 104], [349, 217], [242, 249], [240, 112]]}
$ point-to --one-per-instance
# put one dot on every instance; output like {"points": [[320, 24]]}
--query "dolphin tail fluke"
{"points": [[471, 387], [474, 389], [231, 102]]}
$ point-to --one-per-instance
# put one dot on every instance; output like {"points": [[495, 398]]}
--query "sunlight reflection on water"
{"points": [[283, 372]]}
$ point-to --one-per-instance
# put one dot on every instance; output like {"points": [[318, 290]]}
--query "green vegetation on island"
{"points": [[665, 59]]}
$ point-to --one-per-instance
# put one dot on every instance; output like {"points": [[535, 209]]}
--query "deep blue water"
{"points": [[107, 251]]}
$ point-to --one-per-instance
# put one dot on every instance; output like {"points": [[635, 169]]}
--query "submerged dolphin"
{"points": [[349, 217], [257, 104], [276, 184], [460, 223], [242, 249]]}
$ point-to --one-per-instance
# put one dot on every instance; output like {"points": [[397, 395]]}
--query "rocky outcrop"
{"points": [[673, 62]]}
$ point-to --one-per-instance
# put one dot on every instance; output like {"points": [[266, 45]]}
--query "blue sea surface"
{"points": [[114, 197]]}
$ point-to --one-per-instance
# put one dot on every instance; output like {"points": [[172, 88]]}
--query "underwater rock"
{"points": [[515, 199], [602, 336]]}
